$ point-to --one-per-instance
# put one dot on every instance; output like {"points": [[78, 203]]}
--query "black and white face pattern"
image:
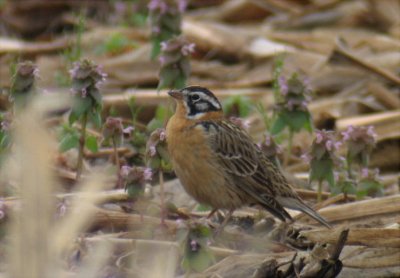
{"points": [[198, 101]]}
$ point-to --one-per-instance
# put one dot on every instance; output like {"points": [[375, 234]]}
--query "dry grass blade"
{"points": [[31, 225], [372, 237]]}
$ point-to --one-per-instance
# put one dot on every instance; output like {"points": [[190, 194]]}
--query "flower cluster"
{"points": [[295, 94], [114, 130], [156, 151], [269, 147], [157, 136], [175, 63], [292, 97], [135, 179], [322, 157], [360, 142], [165, 21], [86, 78], [23, 82]]}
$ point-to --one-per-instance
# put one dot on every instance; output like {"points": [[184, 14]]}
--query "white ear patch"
{"points": [[211, 100]]}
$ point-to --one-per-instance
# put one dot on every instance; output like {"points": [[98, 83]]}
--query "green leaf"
{"points": [[197, 260], [161, 113], [98, 99], [134, 191], [154, 124], [91, 143], [80, 106], [369, 187], [278, 125], [322, 170], [296, 120], [95, 118], [69, 141], [202, 207], [156, 49]]}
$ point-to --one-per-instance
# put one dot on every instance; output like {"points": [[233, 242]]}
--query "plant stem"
{"points": [[162, 196], [117, 164], [116, 155], [81, 146], [289, 148], [319, 192]]}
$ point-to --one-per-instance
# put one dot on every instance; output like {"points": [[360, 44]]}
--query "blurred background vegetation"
{"points": [[86, 185]]}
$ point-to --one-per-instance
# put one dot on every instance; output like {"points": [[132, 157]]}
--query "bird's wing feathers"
{"points": [[235, 149], [252, 172], [239, 157]]}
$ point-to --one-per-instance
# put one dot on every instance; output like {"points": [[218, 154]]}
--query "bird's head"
{"points": [[197, 103]]}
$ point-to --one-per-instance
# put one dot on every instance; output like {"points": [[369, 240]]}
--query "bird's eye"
{"points": [[194, 97]]}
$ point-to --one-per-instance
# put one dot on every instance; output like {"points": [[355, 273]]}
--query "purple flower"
{"points": [[346, 134], [152, 150], [283, 85], [371, 132], [306, 157], [364, 173], [187, 49], [319, 138], [328, 145], [194, 246], [164, 46], [5, 125], [135, 176], [158, 5], [182, 5], [128, 130], [163, 135], [147, 174], [124, 172]]}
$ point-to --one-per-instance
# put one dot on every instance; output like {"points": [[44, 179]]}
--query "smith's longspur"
{"points": [[219, 165]]}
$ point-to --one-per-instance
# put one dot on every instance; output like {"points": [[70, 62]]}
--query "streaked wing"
{"points": [[235, 149]]}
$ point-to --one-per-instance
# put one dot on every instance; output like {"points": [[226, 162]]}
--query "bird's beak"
{"points": [[176, 94]]}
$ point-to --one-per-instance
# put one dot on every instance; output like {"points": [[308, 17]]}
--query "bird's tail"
{"points": [[297, 204]]}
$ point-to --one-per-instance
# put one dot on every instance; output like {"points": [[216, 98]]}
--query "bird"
{"points": [[218, 163]]}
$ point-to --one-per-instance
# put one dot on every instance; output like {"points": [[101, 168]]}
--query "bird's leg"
{"points": [[226, 220], [212, 213]]}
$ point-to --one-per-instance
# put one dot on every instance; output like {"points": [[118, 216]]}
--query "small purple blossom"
{"points": [[319, 138], [194, 246], [360, 142], [135, 176], [283, 85], [24, 79], [148, 174], [371, 132], [164, 46], [163, 135], [128, 130], [188, 49], [86, 78], [124, 171], [364, 173], [182, 5], [5, 125], [158, 5], [306, 157], [152, 150], [328, 145]]}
